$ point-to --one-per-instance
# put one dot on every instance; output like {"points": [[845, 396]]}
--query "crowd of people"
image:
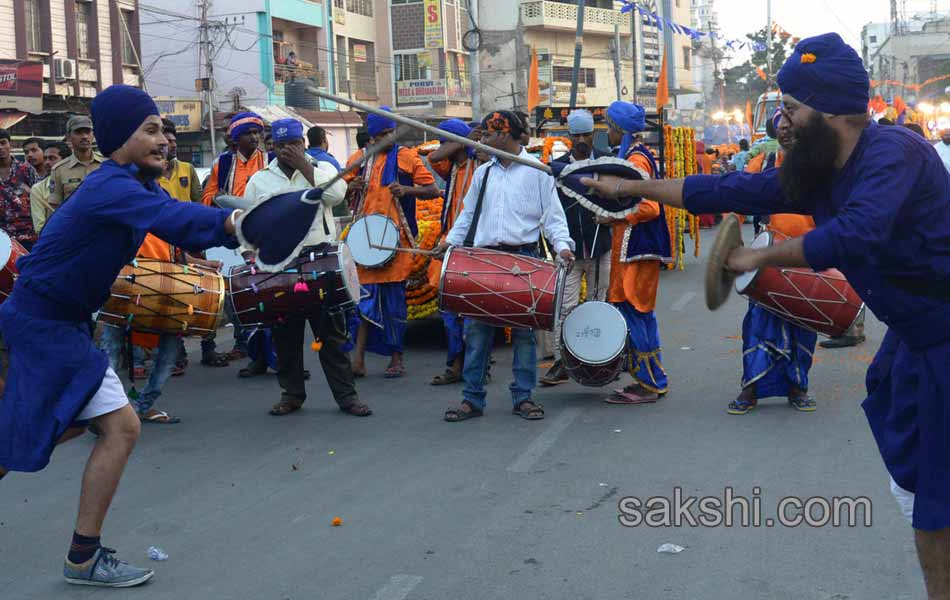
{"points": [[815, 181]]}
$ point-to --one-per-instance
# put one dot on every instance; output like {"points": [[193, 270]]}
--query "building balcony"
{"points": [[558, 16], [285, 73]]}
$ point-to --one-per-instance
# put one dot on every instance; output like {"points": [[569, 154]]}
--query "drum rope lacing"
{"points": [[134, 280], [515, 270]]}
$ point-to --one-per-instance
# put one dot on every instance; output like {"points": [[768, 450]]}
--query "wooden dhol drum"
{"points": [[10, 251], [501, 289], [162, 297], [822, 302], [594, 343], [368, 238], [322, 276]]}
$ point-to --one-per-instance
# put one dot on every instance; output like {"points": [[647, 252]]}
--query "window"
{"points": [[36, 27], [395, 2], [687, 55], [873, 39], [360, 7], [338, 4], [83, 23], [407, 67], [128, 50], [585, 75]]}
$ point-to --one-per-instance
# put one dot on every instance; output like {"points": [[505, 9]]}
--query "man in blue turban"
{"points": [[57, 380], [881, 200], [456, 165], [389, 185]]}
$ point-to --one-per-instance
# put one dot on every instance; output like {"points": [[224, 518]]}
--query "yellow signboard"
{"points": [[185, 113], [433, 23]]}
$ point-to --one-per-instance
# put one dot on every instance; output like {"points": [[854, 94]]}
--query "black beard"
{"points": [[149, 172], [809, 164]]}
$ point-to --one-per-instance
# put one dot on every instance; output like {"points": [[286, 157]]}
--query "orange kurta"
{"points": [[634, 282], [243, 170], [378, 200]]}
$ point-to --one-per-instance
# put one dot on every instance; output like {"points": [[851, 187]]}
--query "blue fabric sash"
{"points": [[384, 310], [776, 354]]}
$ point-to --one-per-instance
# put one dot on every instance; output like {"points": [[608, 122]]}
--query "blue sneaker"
{"points": [[105, 570]]}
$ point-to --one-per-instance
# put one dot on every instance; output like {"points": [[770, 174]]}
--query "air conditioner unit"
{"points": [[64, 69]]}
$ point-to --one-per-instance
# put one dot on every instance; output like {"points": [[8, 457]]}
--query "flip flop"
{"points": [[395, 372], [160, 418], [622, 397]]}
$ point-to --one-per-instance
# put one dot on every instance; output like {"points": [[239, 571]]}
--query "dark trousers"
{"points": [[288, 341]]}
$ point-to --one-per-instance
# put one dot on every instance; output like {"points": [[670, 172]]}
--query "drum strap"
{"points": [[470, 235]]}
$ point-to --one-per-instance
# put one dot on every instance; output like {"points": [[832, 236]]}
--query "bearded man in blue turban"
{"points": [[880, 198], [58, 381]]}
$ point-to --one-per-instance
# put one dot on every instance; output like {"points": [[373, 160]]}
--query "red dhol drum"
{"points": [[822, 302], [321, 276], [10, 251], [501, 289], [594, 343]]}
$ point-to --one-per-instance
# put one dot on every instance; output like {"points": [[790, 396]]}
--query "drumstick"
{"points": [[409, 250]]}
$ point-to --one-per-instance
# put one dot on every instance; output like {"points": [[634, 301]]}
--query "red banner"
{"points": [[21, 78]]}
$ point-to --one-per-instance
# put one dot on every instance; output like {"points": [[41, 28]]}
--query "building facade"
{"points": [[55, 55], [911, 58]]}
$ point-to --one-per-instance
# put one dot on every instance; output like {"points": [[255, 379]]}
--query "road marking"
{"points": [[300, 518], [682, 301], [398, 588], [544, 441]]}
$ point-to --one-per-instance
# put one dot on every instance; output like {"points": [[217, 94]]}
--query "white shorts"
{"points": [[110, 398], [905, 500]]}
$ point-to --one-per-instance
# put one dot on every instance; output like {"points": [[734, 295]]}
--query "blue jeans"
{"points": [[478, 345], [112, 343]]}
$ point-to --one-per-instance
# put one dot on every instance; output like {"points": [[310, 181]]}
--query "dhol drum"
{"points": [[594, 343], [823, 302], [10, 251], [371, 239], [501, 289], [321, 277], [162, 297]]}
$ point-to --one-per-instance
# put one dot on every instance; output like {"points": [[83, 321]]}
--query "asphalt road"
{"points": [[494, 508]]}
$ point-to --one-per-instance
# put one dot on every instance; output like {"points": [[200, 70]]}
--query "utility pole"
{"points": [[616, 53], [475, 68], [768, 43], [208, 51], [578, 47], [634, 59]]}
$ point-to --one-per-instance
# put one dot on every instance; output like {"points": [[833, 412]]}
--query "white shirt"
{"points": [[269, 181], [944, 151], [519, 202]]}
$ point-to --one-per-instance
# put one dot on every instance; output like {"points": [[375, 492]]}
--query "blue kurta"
{"points": [[886, 217], [46, 323]]}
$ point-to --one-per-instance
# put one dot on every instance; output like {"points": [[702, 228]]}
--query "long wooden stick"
{"points": [[433, 130], [409, 250]]}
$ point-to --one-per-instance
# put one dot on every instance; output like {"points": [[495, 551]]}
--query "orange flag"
{"points": [[662, 86], [534, 87], [761, 73], [748, 112]]}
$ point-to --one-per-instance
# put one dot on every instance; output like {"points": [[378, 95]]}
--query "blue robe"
{"points": [[55, 369], [645, 359], [885, 218], [776, 354]]}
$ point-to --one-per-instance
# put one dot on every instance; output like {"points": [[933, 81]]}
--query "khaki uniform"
{"points": [[40, 210], [67, 175]]}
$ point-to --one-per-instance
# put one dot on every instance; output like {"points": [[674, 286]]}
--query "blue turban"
{"points": [[117, 112], [827, 75], [580, 121], [286, 130], [456, 126], [629, 118], [776, 117], [474, 124], [243, 122], [376, 124]]}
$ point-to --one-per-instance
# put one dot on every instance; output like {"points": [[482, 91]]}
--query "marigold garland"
{"points": [[680, 145], [421, 297]]}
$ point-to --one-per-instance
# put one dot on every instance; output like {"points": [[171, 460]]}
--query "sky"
{"points": [[803, 18]]}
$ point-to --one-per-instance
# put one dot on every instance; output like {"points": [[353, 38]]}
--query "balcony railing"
{"points": [[284, 73], [563, 17]]}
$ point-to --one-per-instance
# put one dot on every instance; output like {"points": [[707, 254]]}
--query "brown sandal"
{"points": [[285, 407], [455, 415], [449, 377], [529, 410]]}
